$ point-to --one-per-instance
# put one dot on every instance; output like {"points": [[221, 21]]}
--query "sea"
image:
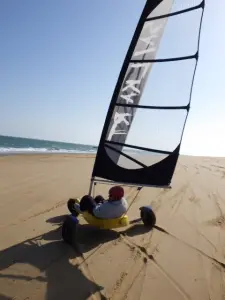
{"points": [[17, 145]]}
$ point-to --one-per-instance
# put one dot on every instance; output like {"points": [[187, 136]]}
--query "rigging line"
{"points": [[94, 190], [132, 202]]}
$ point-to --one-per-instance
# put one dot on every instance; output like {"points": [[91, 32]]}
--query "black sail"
{"points": [[127, 151]]}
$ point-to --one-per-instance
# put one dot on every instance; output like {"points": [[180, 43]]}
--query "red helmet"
{"points": [[116, 192]]}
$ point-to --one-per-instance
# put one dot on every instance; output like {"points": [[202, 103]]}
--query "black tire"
{"points": [[148, 218], [69, 231], [70, 205]]}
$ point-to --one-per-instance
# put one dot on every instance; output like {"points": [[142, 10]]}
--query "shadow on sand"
{"points": [[52, 257]]}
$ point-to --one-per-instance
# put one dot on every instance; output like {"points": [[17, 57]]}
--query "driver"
{"points": [[114, 207]]}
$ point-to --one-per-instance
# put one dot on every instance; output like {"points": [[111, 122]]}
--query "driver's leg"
{"points": [[87, 203]]}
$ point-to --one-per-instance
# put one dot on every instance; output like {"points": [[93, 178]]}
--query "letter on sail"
{"points": [[119, 118]]}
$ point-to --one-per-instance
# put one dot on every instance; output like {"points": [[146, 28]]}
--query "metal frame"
{"points": [[104, 181]]}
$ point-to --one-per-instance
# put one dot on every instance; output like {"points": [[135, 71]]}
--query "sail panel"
{"points": [[159, 174], [179, 5], [174, 40], [175, 79], [148, 128], [153, 125]]}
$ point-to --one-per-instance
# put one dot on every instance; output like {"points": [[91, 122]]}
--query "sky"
{"points": [[60, 60]]}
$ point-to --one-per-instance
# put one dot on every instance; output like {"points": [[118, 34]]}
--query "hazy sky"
{"points": [[60, 59]]}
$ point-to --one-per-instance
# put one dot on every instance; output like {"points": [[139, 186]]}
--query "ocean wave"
{"points": [[12, 150]]}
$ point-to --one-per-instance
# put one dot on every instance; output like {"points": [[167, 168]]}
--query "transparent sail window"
{"points": [[136, 160], [173, 6], [168, 83], [175, 36], [154, 129]]}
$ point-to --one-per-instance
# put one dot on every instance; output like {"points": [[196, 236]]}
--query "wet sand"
{"points": [[182, 258]]}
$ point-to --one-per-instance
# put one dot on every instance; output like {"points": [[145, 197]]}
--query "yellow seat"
{"points": [[104, 223]]}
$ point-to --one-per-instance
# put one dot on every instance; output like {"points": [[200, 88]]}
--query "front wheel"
{"points": [[70, 206], [148, 217]]}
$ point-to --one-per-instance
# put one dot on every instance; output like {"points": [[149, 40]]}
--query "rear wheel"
{"points": [[69, 230], [70, 205], [148, 217]]}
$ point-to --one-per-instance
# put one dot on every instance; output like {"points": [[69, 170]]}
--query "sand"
{"points": [[182, 258]]}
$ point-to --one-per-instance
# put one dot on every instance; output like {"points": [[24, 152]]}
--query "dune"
{"points": [[181, 258]]}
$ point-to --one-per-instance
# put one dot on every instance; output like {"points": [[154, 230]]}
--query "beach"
{"points": [[183, 257]]}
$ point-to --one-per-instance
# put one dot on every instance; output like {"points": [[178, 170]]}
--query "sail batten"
{"points": [[195, 56], [139, 148], [153, 107], [147, 128]]}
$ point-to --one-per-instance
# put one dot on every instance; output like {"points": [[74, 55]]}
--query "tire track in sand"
{"points": [[196, 206], [157, 202], [121, 286], [195, 209], [178, 199], [128, 269], [47, 210], [212, 259], [150, 257], [219, 221], [175, 206], [84, 268]]}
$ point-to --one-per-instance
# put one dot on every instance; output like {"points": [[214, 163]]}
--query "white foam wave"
{"points": [[12, 150]]}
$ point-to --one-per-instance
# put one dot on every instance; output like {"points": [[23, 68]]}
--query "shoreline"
{"points": [[89, 153]]}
